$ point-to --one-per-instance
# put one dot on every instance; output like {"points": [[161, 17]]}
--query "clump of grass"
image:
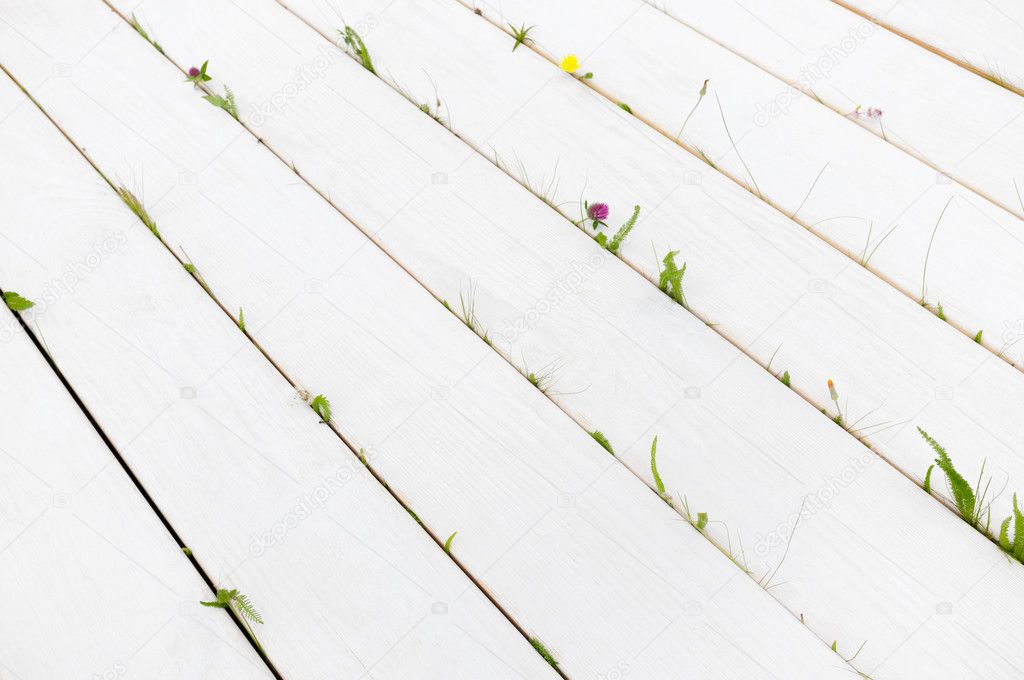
{"points": [[977, 336], [227, 102], [241, 319], [784, 377], [546, 189], [322, 407], [603, 441], [544, 653], [700, 98], [928, 253], [521, 35], [190, 267], [17, 303], [612, 245], [448, 543], [358, 48], [135, 205], [970, 503], [659, 485], [840, 418], [241, 607], [671, 278], [866, 255], [468, 316], [142, 32], [545, 378], [625, 107]]}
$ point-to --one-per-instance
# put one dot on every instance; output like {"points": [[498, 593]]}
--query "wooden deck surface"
{"points": [[536, 461]]}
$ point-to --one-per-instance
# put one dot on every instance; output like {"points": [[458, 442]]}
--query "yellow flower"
{"points": [[570, 63]]}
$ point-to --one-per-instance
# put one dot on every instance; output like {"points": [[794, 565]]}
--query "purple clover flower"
{"points": [[598, 212], [193, 72]]}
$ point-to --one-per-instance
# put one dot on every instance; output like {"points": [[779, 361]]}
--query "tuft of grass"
{"points": [[1014, 547], [239, 605], [928, 253], [977, 336], [134, 23], [700, 98], [940, 312], [322, 407], [867, 254], [544, 653], [784, 377], [603, 441], [186, 550], [358, 48], [625, 107], [448, 543], [521, 35], [227, 102], [613, 245], [728, 134], [468, 304], [135, 205], [671, 279], [546, 189], [970, 503], [241, 319], [16, 303]]}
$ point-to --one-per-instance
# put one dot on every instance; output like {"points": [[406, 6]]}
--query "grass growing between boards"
{"points": [[521, 35], [670, 280], [544, 653], [17, 303], [448, 542], [134, 22], [603, 441], [136, 206], [970, 502], [199, 77], [322, 407], [243, 609], [783, 377], [840, 417]]}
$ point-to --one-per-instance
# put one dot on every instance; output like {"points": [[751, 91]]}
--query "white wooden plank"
{"points": [[984, 35], [843, 584], [93, 585], [268, 500], [964, 126], [572, 544], [866, 187]]}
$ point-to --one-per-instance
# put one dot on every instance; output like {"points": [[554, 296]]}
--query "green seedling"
{"points": [[16, 303], [977, 336], [186, 550], [241, 607], [867, 254], [521, 35], [784, 377], [468, 304], [603, 441], [135, 205], [142, 32], [970, 503], [700, 98], [544, 653], [227, 102], [613, 245], [241, 319], [625, 107], [659, 485], [322, 407], [358, 48], [448, 543], [671, 279]]}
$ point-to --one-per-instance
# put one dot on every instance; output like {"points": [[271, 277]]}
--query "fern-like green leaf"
{"points": [[227, 102], [671, 279], [623, 232], [1004, 536], [241, 319], [603, 441], [322, 407], [1018, 531], [16, 303], [960, 489], [928, 479], [246, 608]]}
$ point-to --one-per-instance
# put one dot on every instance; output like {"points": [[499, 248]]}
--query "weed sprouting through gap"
{"points": [[448, 543], [924, 274], [700, 98], [670, 281], [134, 23], [243, 609], [970, 503], [136, 206], [603, 441], [544, 653], [521, 35], [16, 303], [322, 407], [728, 134], [358, 47], [613, 245]]}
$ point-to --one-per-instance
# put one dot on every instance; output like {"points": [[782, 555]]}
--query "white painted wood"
{"points": [[658, 66], [894, 362], [855, 573], [572, 544], [92, 583], [985, 35], [966, 127], [268, 499]]}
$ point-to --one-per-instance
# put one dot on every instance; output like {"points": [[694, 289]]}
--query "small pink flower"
{"points": [[598, 211], [875, 113], [193, 72]]}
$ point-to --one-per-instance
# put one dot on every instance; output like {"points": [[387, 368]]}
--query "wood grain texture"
{"points": [[964, 126], [93, 584], [983, 35], [836, 178], [571, 544], [334, 132], [268, 499]]}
